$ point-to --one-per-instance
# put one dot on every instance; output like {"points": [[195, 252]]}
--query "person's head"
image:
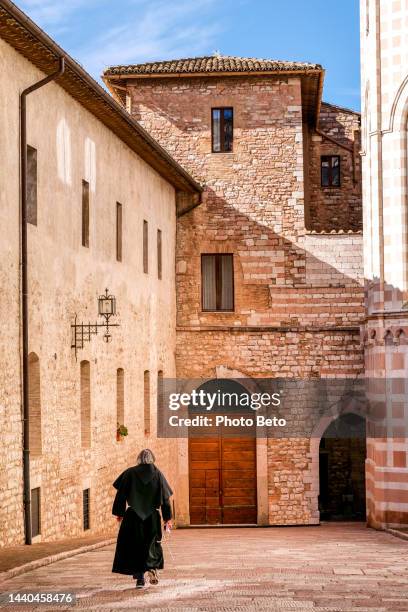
{"points": [[145, 456]]}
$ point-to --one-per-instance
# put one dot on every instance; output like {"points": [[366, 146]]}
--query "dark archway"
{"points": [[342, 455]]}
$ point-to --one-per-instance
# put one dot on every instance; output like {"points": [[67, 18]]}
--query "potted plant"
{"points": [[121, 432]]}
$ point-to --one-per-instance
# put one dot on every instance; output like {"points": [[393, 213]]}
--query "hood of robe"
{"points": [[145, 488]]}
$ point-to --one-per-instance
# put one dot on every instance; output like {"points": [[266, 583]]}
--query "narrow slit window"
{"points": [[35, 512], [145, 247], [217, 282], [85, 213], [86, 509], [34, 400], [118, 231], [85, 391], [31, 185], [159, 254], [330, 170], [160, 391], [120, 396], [222, 129], [146, 394]]}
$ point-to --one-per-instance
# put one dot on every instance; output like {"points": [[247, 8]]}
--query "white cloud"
{"points": [[51, 12], [154, 30]]}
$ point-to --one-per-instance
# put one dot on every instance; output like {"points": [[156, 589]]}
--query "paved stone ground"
{"points": [[15, 556], [336, 567]]}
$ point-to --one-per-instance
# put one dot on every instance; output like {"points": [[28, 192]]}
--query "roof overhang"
{"points": [[18, 30]]}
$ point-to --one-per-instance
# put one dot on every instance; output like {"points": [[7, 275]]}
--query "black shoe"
{"points": [[140, 583]]}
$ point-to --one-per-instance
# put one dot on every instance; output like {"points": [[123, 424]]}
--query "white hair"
{"points": [[145, 456]]}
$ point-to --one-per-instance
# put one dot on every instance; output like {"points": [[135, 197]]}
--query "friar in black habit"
{"points": [[141, 491]]}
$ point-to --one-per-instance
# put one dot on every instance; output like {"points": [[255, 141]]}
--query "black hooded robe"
{"points": [[145, 490]]}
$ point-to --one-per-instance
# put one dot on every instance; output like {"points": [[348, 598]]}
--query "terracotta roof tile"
{"points": [[210, 64]]}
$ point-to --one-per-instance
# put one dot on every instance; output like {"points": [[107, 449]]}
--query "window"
{"points": [[35, 512], [159, 254], [86, 509], [145, 247], [146, 396], [34, 403], [160, 391], [222, 129], [330, 170], [31, 185], [118, 231], [85, 214], [120, 396], [217, 282], [85, 384]]}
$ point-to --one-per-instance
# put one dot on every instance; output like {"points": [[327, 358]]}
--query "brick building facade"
{"points": [[296, 244]]}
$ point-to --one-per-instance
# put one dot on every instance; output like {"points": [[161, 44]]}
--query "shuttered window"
{"points": [[217, 282]]}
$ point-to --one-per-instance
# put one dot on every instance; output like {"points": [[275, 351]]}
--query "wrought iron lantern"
{"points": [[82, 332]]}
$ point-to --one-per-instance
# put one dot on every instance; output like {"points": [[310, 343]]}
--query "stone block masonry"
{"points": [[298, 287]]}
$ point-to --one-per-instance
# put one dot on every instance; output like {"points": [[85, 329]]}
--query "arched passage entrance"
{"points": [[222, 469], [342, 454]]}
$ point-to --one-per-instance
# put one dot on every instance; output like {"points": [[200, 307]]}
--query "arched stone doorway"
{"points": [[342, 455], [223, 469]]}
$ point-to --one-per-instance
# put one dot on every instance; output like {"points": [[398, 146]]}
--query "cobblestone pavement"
{"points": [[332, 568]]}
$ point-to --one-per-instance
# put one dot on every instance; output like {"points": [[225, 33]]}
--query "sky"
{"points": [[100, 33]]}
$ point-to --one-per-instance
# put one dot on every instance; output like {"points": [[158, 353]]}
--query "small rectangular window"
{"points": [[85, 213], [31, 185], [145, 247], [86, 509], [330, 170], [222, 130], [118, 231], [217, 282], [35, 512], [159, 254]]}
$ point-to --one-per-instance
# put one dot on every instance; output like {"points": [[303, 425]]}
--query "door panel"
{"points": [[222, 481]]}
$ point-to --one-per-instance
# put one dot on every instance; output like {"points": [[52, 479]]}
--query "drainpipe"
{"points": [[24, 293]]}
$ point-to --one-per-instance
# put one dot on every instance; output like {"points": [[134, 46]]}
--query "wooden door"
{"points": [[222, 481]]}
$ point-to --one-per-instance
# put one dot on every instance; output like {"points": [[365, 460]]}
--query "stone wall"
{"points": [[298, 294], [335, 208], [65, 280]]}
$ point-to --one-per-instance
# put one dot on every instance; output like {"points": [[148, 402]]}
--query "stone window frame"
{"points": [[330, 185], [222, 129]]}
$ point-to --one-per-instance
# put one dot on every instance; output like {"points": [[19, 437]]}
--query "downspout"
{"points": [[24, 294]]}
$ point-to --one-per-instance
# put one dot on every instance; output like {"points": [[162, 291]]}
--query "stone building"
{"points": [[384, 57], [269, 267], [102, 199]]}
